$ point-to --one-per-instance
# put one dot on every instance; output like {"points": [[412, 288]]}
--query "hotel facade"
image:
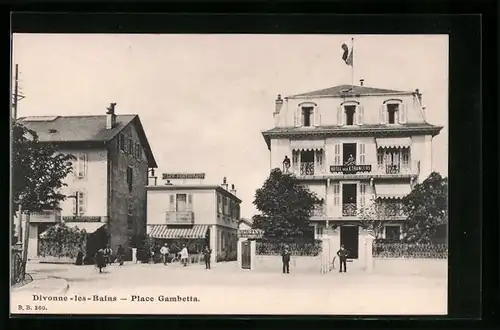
{"points": [[106, 193], [352, 146], [207, 215]]}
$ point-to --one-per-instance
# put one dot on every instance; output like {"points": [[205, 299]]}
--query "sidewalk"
{"points": [[43, 283]]}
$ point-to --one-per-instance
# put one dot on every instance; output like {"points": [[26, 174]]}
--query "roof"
{"points": [[248, 222], [68, 129], [343, 90], [193, 187], [376, 130]]}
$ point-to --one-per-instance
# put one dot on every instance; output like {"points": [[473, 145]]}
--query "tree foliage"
{"points": [[427, 208], [38, 171], [285, 207], [374, 216]]}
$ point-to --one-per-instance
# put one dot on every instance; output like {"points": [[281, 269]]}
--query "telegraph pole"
{"points": [[16, 92]]}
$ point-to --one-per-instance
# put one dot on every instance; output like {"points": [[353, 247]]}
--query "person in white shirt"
{"points": [[164, 251], [184, 256]]}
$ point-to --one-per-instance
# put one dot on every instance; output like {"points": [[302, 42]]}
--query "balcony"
{"points": [[180, 218], [308, 169], [319, 211], [349, 210], [50, 216], [375, 170]]}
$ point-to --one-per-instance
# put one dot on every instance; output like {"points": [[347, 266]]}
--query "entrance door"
{"points": [[245, 255], [349, 153], [349, 238]]}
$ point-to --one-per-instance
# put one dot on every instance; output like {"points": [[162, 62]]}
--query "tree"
{"points": [[374, 216], [285, 207], [427, 208], [38, 172]]}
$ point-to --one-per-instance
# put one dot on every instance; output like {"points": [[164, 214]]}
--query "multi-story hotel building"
{"points": [[352, 145], [106, 193], [205, 214]]}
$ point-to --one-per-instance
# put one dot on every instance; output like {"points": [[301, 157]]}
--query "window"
{"points": [[138, 151], [350, 111], [392, 113], [362, 157], [393, 232], [219, 203], [130, 147], [172, 203], [181, 205], [130, 182], [319, 158], [319, 231], [307, 115], [80, 166], [380, 156], [336, 194], [405, 157], [121, 142], [226, 206], [80, 201]]}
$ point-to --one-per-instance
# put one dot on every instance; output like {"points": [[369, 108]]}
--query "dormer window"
{"points": [[392, 113], [350, 111], [307, 113]]}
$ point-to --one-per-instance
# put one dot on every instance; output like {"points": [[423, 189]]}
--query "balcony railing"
{"points": [[180, 218], [319, 210], [409, 168], [308, 169], [46, 216], [349, 209]]}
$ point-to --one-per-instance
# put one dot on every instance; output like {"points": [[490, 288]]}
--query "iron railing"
{"points": [[180, 218], [275, 248], [307, 168], [409, 250], [349, 209]]}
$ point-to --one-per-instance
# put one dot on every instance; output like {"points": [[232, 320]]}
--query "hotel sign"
{"points": [[250, 233], [81, 219], [170, 176], [350, 169]]}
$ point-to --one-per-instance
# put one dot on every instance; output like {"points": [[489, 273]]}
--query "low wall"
{"points": [[411, 267], [56, 260], [298, 264]]}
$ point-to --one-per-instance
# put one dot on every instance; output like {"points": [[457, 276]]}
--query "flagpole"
{"points": [[352, 64]]}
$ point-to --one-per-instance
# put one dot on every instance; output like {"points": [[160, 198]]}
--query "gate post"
{"points": [[238, 251], [369, 253], [253, 251]]}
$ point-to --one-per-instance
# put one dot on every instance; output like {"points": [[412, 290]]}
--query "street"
{"points": [[159, 289]]}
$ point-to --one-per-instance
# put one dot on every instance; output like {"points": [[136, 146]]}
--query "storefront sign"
{"points": [[81, 219], [170, 176], [250, 233], [350, 169]]}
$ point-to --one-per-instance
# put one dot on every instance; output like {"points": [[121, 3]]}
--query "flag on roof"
{"points": [[347, 55]]}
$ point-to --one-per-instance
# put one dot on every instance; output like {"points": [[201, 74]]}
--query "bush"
{"points": [[383, 249], [62, 241], [300, 248]]}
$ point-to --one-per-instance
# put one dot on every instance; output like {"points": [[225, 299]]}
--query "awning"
{"points": [[393, 190], [89, 227], [402, 142], [166, 232], [307, 144]]}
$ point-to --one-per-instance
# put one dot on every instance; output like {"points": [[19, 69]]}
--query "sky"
{"points": [[205, 99]]}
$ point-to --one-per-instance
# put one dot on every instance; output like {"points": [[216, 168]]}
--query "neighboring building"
{"points": [[106, 191], [208, 214], [352, 145], [244, 224]]}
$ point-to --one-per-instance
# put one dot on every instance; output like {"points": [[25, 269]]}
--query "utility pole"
{"points": [[17, 95]]}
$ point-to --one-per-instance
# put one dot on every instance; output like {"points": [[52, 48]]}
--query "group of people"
{"points": [[184, 255], [104, 257], [341, 253]]}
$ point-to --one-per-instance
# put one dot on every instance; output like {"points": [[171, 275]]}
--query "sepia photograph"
{"points": [[219, 174]]}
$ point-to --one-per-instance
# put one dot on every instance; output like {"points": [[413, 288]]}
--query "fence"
{"points": [[275, 248], [410, 250]]}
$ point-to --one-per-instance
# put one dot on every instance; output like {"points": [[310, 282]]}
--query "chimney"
{"points": [[110, 116], [233, 190], [224, 183], [361, 81], [279, 104]]}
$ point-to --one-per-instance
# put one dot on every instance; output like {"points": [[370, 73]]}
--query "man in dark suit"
{"points": [[285, 257], [342, 253]]}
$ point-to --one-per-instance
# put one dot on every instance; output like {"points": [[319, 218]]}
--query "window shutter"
{"points": [[190, 202], [73, 210], [82, 165], [402, 113], [382, 114], [361, 111], [336, 194], [362, 154], [340, 117], [362, 195], [172, 203], [317, 117], [337, 158], [297, 118]]}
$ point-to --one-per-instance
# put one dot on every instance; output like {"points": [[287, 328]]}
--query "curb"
{"points": [[62, 290]]}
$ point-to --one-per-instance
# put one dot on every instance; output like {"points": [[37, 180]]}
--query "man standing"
{"points": [[164, 253], [286, 165], [184, 256], [206, 255], [120, 255], [107, 254], [342, 253], [285, 257]]}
